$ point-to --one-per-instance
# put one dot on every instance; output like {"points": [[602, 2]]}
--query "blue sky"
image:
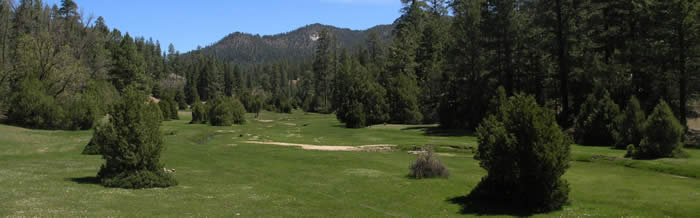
{"points": [[188, 23]]}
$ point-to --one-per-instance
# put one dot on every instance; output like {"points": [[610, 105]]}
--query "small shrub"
{"points": [[427, 166], [663, 135], [525, 153], [595, 122], [629, 126], [199, 113]]}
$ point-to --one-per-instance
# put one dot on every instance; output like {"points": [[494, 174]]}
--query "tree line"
{"points": [[447, 58]]}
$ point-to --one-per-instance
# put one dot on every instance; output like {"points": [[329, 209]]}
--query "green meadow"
{"points": [[231, 172]]}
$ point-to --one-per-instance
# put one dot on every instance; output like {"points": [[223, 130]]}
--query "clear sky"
{"points": [[188, 23]]}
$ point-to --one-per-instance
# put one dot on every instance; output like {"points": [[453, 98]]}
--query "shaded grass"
{"points": [[225, 176]]}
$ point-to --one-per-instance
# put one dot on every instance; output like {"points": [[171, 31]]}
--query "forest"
{"points": [[527, 78]]}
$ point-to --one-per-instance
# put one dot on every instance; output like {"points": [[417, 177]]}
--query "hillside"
{"points": [[244, 48]]}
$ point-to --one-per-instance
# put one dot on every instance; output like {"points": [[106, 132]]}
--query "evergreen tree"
{"points": [[525, 154], [129, 66], [131, 144]]}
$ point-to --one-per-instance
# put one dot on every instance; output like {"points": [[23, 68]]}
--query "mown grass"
{"points": [[43, 174]]}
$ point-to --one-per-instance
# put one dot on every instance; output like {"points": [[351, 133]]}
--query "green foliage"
{"points": [[31, 107], [131, 144], [225, 111], [92, 148], [525, 153], [199, 113], [428, 166], [629, 126], [663, 135], [403, 97], [165, 109], [595, 123]]}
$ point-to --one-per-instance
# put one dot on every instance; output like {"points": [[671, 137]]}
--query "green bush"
{"points": [[663, 135], [131, 144], [225, 111], [525, 153], [92, 148], [595, 122], [173, 109], [427, 166], [629, 126], [31, 107], [199, 113], [81, 113], [165, 109]]}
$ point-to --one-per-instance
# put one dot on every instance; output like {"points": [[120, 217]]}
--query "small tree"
{"points": [[199, 113], [131, 143], [525, 153], [662, 137], [595, 122], [173, 109], [629, 126]]}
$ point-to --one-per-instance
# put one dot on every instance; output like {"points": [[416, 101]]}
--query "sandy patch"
{"points": [[265, 121], [290, 124], [225, 131], [694, 123], [325, 147], [438, 154]]}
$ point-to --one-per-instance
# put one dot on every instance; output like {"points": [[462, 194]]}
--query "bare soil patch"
{"points": [[328, 147]]}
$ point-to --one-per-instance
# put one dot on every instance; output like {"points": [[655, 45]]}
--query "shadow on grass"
{"points": [[473, 206], [86, 180], [437, 131]]}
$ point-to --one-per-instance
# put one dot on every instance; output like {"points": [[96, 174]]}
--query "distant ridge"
{"points": [[245, 49]]}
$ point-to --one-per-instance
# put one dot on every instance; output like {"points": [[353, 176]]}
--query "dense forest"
{"points": [[442, 63]]}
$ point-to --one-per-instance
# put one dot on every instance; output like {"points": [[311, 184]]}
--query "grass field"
{"points": [[43, 174]]}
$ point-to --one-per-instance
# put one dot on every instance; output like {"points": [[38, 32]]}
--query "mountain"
{"points": [[244, 48]]}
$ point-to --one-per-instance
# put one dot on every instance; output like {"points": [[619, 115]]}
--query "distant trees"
{"points": [[525, 153], [131, 144]]}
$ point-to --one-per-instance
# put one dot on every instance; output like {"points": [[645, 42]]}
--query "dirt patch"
{"points": [[694, 124], [289, 124], [327, 147], [225, 131], [265, 121], [438, 154]]}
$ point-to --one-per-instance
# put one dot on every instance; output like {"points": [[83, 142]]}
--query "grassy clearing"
{"points": [[43, 174]]}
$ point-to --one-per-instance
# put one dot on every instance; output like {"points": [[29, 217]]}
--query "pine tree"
{"points": [[129, 65], [131, 144]]}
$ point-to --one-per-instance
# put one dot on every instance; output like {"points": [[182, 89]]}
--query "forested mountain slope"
{"points": [[244, 48]]}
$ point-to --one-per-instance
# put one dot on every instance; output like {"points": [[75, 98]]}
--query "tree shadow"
{"points": [[94, 180], [474, 206], [438, 131]]}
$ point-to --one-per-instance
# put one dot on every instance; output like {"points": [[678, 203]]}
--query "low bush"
{"points": [[663, 135], [427, 166], [31, 107]]}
